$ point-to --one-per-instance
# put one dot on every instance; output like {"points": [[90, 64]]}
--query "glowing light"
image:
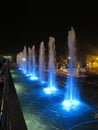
{"points": [[33, 78], [69, 57], [50, 90], [51, 68], [23, 59], [42, 62], [24, 71], [70, 104], [19, 68], [71, 101], [43, 82], [27, 75]]}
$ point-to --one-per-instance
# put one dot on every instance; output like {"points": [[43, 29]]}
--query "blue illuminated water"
{"points": [[42, 66], [72, 100], [43, 109], [26, 61], [29, 63], [52, 87], [33, 64], [44, 112]]}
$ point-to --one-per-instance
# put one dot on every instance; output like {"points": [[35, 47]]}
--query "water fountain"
{"points": [[44, 112], [42, 62], [22, 60], [72, 95], [33, 63], [29, 62], [51, 67], [18, 59]]}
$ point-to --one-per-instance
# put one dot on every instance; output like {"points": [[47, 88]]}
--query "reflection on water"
{"points": [[45, 112]]}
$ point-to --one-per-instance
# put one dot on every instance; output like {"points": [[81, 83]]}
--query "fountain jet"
{"points": [[33, 62], [51, 67], [72, 94], [42, 62]]}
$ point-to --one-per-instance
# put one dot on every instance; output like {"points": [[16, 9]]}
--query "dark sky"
{"points": [[29, 23]]}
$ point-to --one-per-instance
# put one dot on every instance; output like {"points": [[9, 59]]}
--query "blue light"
{"points": [[51, 68], [50, 90], [24, 72], [43, 82], [70, 104], [71, 101], [19, 68], [27, 75], [33, 78]]}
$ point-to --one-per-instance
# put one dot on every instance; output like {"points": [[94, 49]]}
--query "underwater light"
{"points": [[33, 78], [70, 104], [50, 90], [43, 82]]}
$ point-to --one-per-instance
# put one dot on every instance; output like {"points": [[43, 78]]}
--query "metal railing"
{"points": [[11, 116]]}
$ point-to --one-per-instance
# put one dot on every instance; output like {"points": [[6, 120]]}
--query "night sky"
{"points": [[30, 23]]}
